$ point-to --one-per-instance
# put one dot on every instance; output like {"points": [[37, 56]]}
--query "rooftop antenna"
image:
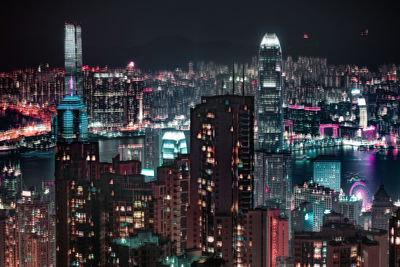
{"points": [[233, 78], [243, 80]]}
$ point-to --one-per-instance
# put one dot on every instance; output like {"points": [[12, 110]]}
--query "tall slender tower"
{"points": [[269, 98], [73, 59], [76, 169]]}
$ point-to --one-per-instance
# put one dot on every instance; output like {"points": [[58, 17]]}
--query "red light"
{"points": [[131, 64], [305, 36]]}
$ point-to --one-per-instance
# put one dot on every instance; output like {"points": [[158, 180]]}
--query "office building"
{"points": [[265, 238], [381, 210], [272, 182], [302, 218], [269, 99], [73, 79], [221, 156], [327, 172], [340, 244], [350, 207], [34, 229], [76, 169], [171, 202], [322, 200], [107, 107], [9, 252], [172, 143], [10, 183], [394, 240]]}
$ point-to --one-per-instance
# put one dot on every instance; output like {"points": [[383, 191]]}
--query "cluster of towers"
{"points": [[222, 197]]}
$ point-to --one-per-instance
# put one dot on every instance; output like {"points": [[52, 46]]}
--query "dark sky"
{"points": [[165, 34]]}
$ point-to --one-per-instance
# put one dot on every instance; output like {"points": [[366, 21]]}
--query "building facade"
{"points": [[221, 154], [327, 172], [270, 96], [73, 80]]}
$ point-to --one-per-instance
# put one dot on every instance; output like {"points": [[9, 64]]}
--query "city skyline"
{"points": [[350, 33], [279, 162]]}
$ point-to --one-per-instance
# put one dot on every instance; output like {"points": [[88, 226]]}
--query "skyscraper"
{"points": [[221, 153], [381, 210], [394, 237], [73, 59], [171, 201], [322, 200], [272, 181], [327, 172], [270, 98], [76, 168]]}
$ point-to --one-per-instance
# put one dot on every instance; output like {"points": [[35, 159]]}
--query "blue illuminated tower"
{"points": [[269, 98], [76, 168], [71, 123]]}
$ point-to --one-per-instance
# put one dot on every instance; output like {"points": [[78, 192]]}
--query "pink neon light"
{"points": [[369, 128], [71, 85], [329, 126], [305, 108], [296, 107], [333, 126], [131, 64], [312, 108], [366, 199]]}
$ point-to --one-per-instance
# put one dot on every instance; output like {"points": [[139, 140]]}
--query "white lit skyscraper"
{"points": [[73, 59], [269, 97]]}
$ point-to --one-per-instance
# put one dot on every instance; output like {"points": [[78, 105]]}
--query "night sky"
{"points": [[167, 34]]}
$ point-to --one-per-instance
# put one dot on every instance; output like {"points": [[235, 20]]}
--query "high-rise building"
{"points": [[394, 240], [302, 218], [321, 198], [327, 172], [73, 59], [76, 169], [71, 123], [270, 98], [76, 229], [272, 182], [266, 234], [9, 254], [221, 156], [350, 207], [34, 227], [107, 100], [381, 210], [340, 244], [10, 183], [171, 202], [172, 143]]}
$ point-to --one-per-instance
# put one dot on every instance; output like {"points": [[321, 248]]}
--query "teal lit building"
{"points": [[71, 123]]}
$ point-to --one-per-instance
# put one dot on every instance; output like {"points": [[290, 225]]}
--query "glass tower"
{"points": [[269, 98], [73, 59]]}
